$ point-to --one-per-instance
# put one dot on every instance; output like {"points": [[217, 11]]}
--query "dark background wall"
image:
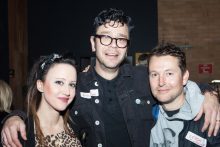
{"points": [[32, 28], [4, 52], [65, 26]]}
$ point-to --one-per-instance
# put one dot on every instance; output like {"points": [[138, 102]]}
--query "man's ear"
{"points": [[185, 77], [92, 41], [40, 86]]}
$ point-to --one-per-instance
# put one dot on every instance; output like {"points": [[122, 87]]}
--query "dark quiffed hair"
{"points": [[112, 14], [39, 72], [170, 49]]}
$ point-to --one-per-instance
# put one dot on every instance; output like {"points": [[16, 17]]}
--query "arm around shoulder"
{"points": [[12, 125], [19, 113]]}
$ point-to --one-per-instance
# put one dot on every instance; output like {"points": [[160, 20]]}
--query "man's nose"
{"points": [[114, 43], [162, 81]]}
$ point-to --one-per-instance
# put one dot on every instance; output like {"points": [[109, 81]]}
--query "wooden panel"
{"points": [[18, 48]]}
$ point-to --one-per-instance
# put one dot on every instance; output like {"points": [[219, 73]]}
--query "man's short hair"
{"points": [[170, 49], [112, 14]]}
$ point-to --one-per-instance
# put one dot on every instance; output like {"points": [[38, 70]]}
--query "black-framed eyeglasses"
{"points": [[107, 40]]}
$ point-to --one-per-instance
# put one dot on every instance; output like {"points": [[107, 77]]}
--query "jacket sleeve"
{"points": [[19, 113], [204, 87]]}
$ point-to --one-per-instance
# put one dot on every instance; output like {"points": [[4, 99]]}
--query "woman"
{"points": [[51, 90], [5, 100]]}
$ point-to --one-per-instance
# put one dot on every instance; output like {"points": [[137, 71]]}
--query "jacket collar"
{"points": [[90, 76]]}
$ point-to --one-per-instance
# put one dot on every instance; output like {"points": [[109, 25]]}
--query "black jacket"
{"points": [[3, 114], [135, 100], [29, 128], [195, 127]]}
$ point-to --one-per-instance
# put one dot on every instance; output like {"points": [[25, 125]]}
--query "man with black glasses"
{"points": [[113, 101]]}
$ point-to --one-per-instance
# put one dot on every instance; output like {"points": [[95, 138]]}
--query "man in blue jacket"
{"points": [[178, 107]]}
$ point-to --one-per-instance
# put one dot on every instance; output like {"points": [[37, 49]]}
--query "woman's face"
{"points": [[58, 89]]}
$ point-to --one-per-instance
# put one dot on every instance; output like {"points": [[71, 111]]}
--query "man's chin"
{"points": [[112, 67], [164, 100]]}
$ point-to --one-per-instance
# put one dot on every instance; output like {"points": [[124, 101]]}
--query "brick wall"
{"points": [[195, 23]]}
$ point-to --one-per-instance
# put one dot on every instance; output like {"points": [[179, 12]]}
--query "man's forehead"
{"points": [[164, 60], [114, 24], [115, 29]]}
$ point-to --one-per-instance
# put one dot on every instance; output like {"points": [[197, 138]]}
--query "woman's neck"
{"points": [[51, 122]]}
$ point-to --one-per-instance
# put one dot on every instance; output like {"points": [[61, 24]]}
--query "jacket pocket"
{"points": [[144, 108]]}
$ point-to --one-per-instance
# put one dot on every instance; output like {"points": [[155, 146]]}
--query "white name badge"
{"points": [[94, 92], [196, 139], [85, 95]]}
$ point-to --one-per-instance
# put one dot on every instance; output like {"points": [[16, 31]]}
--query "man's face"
{"points": [[111, 56], [167, 80]]}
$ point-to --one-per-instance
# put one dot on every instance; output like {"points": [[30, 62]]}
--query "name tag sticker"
{"points": [[94, 92], [196, 139], [85, 95]]}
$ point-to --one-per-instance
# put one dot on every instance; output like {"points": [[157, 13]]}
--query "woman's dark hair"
{"points": [[39, 72]]}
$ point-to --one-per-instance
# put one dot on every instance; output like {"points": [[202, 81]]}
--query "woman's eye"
{"points": [[73, 85], [59, 82]]}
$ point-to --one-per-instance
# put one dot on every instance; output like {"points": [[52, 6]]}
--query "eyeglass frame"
{"points": [[116, 40]]}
